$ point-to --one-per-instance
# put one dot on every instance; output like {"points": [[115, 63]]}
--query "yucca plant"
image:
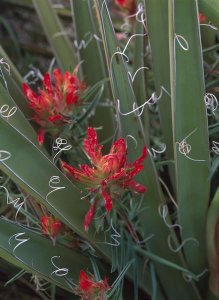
{"points": [[109, 160]]}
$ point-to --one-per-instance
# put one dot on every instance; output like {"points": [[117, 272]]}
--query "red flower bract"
{"points": [[50, 226], [90, 289], [108, 175], [54, 105], [130, 5], [202, 18]]}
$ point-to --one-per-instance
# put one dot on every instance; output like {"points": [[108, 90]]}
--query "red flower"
{"points": [[54, 105], [109, 174], [202, 18], [50, 226], [89, 289], [130, 5]]}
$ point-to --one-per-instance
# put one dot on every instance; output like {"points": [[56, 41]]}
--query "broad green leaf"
{"points": [[12, 80], [13, 70], [90, 48], [57, 37], [7, 106], [88, 43], [212, 246], [157, 24], [190, 128], [23, 248], [16, 93], [139, 71]]}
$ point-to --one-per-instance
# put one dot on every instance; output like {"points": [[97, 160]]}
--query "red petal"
{"points": [[50, 226], [69, 169], [121, 2], [55, 228], [55, 118], [45, 221], [119, 148], [142, 157], [90, 172], [29, 94], [109, 164], [58, 78], [47, 83], [128, 4], [134, 171], [136, 187], [71, 98], [106, 282], [202, 18], [25, 89], [41, 136], [76, 174], [74, 80], [91, 145], [89, 288], [84, 282], [45, 102], [118, 175], [89, 216], [102, 285], [107, 199]]}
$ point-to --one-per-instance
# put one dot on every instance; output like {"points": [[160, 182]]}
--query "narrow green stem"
{"points": [[212, 48], [165, 262]]}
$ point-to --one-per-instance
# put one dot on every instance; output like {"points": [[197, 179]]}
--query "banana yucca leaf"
{"points": [[140, 72], [37, 255], [212, 246], [9, 107], [13, 70], [190, 129], [57, 37], [90, 50], [12, 80], [157, 24]]}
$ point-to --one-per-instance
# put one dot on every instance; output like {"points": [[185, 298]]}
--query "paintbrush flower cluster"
{"points": [[90, 289], [108, 175], [50, 226], [56, 102]]}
